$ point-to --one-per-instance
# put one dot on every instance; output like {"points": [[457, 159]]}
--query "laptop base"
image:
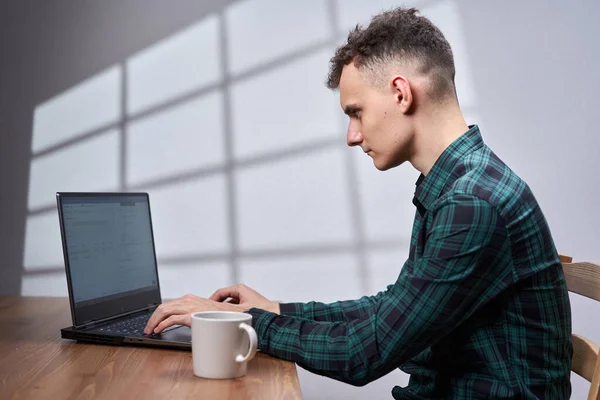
{"points": [[179, 338]]}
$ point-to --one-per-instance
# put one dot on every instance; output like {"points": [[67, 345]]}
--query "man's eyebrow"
{"points": [[351, 109]]}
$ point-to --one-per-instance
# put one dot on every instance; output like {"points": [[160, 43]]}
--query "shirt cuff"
{"points": [[261, 320], [257, 314]]}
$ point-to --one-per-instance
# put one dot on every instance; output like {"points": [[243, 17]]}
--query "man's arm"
{"points": [[462, 269], [338, 311], [241, 298]]}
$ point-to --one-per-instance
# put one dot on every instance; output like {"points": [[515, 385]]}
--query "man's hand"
{"points": [[246, 298], [179, 311]]}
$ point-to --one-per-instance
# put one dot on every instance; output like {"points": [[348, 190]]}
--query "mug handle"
{"points": [[253, 343]]}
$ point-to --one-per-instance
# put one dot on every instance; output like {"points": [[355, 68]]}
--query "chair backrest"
{"points": [[565, 259], [584, 278]]}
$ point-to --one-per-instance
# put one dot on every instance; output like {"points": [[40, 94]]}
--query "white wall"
{"points": [[227, 123]]}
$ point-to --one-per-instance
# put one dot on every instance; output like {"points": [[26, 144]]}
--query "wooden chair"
{"points": [[584, 278]]}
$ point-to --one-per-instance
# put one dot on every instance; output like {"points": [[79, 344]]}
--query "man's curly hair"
{"points": [[398, 35]]}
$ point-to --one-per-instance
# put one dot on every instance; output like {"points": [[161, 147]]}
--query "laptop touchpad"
{"points": [[181, 334]]}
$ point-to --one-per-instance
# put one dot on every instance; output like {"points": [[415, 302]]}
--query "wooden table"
{"points": [[35, 363]]}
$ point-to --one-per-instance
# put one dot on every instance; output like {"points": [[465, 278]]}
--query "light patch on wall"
{"points": [[299, 201], [199, 278], [92, 165], [324, 278], [260, 31], [285, 107], [178, 64], [90, 105], [43, 248], [191, 218], [177, 140], [384, 266], [45, 285]]}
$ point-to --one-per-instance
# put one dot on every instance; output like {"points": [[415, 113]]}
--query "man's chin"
{"points": [[385, 166]]}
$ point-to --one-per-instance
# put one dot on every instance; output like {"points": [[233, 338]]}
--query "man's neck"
{"points": [[434, 133]]}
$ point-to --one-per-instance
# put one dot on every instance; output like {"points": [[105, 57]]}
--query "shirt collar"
{"points": [[430, 187]]}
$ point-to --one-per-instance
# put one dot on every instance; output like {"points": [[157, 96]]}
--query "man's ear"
{"points": [[402, 93]]}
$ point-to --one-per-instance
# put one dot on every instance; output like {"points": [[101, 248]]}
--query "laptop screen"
{"points": [[109, 254]]}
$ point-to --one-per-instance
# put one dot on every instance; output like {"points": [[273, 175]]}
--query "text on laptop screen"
{"points": [[109, 245]]}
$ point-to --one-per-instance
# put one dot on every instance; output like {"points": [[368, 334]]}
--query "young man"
{"points": [[480, 309]]}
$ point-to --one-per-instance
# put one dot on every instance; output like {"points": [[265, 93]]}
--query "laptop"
{"points": [[112, 277]]}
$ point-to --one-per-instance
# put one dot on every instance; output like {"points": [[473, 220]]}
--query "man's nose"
{"points": [[353, 136]]}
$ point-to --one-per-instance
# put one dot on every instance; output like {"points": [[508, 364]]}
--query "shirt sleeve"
{"points": [[461, 269], [338, 311]]}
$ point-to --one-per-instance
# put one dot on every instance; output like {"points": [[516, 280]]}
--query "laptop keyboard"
{"points": [[128, 327]]}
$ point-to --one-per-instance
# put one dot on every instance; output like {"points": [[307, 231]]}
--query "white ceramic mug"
{"points": [[222, 344]]}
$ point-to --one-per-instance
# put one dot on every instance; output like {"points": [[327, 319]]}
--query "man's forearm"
{"points": [[331, 312], [351, 355]]}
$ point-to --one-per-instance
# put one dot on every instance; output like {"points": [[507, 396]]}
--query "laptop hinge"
{"points": [[88, 325]]}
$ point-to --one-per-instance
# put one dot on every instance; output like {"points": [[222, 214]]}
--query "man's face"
{"points": [[377, 123]]}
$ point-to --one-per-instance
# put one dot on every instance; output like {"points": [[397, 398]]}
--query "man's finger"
{"points": [[162, 312], [224, 293], [219, 295], [172, 320], [154, 319]]}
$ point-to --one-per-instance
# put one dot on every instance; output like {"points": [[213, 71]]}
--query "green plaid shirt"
{"points": [[480, 309]]}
